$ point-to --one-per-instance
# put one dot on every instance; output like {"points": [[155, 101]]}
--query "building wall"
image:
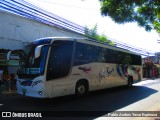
{"points": [[16, 31]]}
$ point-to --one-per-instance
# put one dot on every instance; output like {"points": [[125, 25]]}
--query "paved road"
{"points": [[143, 96]]}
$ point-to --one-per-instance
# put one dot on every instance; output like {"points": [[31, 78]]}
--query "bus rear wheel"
{"points": [[81, 89]]}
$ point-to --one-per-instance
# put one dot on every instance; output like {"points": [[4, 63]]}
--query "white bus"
{"points": [[52, 67]]}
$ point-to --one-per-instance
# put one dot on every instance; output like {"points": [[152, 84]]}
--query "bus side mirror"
{"points": [[8, 55], [37, 52]]}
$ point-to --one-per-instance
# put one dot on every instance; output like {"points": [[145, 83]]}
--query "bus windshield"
{"points": [[31, 66]]}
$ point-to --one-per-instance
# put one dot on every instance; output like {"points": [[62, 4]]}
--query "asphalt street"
{"points": [[143, 96]]}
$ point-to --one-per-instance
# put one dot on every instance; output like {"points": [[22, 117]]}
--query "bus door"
{"points": [[59, 67]]}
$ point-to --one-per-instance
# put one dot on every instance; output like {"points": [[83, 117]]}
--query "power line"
{"points": [[67, 5]]}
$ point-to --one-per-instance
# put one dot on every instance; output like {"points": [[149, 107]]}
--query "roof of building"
{"points": [[33, 12]]}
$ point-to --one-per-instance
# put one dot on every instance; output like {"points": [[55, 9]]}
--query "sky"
{"points": [[87, 13]]}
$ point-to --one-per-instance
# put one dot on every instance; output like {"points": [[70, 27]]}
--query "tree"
{"points": [[145, 12], [92, 33]]}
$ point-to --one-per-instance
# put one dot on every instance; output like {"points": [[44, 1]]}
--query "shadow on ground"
{"points": [[94, 105]]}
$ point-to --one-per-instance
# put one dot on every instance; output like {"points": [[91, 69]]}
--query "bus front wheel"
{"points": [[81, 88], [130, 82]]}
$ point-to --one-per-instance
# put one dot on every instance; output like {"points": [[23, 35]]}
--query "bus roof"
{"points": [[87, 41]]}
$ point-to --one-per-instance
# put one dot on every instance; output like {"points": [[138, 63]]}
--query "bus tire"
{"points": [[81, 88], [130, 82]]}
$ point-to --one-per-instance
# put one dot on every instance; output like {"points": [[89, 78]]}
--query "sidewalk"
{"points": [[152, 78], [6, 91]]}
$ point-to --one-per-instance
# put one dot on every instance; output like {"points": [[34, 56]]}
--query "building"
{"points": [[22, 22]]}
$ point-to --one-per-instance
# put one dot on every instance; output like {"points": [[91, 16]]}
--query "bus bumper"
{"points": [[31, 91]]}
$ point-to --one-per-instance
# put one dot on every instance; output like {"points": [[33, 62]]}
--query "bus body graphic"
{"points": [[125, 70], [85, 69]]}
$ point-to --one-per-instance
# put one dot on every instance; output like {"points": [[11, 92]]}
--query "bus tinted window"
{"points": [[60, 59], [136, 60], [88, 53]]}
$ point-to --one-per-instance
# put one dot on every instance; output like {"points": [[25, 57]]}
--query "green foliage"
{"points": [[145, 12], [92, 33]]}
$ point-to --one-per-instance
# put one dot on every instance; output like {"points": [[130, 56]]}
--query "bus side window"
{"points": [[59, 61], [81, 54]]}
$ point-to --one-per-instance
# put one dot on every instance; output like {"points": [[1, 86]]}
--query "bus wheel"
{"points": [[81, 88], [130, 82]]}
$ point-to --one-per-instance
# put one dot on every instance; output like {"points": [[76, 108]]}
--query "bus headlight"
{"points": [[40, 93], [37, 82]]}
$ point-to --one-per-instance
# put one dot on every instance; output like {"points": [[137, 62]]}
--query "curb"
{"points": [[152, 78]]}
